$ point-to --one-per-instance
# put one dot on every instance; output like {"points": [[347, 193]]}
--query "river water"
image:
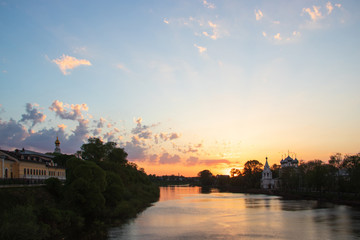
{"points": [[187, 213]]}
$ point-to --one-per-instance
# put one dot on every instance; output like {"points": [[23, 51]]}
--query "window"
{"points": [[28, 171], [6, 173], [24, 171]]}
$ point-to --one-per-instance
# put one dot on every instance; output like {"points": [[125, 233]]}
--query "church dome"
{"points": [[57, 142]]}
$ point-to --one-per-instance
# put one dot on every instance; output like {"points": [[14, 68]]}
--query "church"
{"points": [[267, 180], [30, 165]]}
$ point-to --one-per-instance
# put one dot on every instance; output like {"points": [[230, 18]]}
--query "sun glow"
{"points": [[227, 171]]}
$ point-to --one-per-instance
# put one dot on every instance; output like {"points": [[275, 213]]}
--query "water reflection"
{"points": [[187, 213]]}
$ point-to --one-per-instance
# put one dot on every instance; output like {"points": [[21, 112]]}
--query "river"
{"points": [[186, 213]]}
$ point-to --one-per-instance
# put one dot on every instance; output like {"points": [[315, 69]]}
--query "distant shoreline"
{"points": [[348, 199]]}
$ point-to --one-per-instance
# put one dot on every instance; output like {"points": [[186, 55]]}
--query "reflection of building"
{"points": [[267, 181], [29, 165]]}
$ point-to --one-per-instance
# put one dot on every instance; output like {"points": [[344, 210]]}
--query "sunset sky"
{"points": [[184, 85]]}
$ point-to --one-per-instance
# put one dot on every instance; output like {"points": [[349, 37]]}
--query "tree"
{"points": [[118, 155], [275, 168], [234, 172], [85, 185], [95, 150], [252, 167], [206, 178], [252, 174], [352, 166]]}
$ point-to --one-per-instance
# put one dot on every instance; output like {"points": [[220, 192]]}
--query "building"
{"points": [[289, 162], [57, 146], [267, 180], [29, 165]]}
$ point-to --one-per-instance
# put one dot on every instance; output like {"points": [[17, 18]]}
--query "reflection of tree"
{"points": [[205, 190]]}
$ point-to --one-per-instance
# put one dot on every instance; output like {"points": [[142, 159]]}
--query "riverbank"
{"points": [[39, 212]]}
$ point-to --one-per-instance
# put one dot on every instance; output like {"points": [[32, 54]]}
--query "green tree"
{"points": [[95, 150], [85, 186]]}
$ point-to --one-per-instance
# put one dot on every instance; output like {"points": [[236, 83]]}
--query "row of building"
{"points": [[30, 165]]}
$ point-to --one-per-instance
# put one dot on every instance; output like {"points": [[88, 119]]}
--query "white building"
{"points": [[267, 181]]}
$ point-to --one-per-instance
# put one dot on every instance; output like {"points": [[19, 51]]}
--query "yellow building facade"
{"points": [[29, 165]]}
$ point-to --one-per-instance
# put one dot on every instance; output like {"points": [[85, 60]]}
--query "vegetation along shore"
{"points": [[102, 188]]}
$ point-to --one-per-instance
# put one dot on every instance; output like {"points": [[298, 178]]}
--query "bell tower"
{"points": [[57, 146]]}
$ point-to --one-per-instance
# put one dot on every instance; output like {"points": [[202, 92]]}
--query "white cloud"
{"points": [[258, 15], [122, 67], [200, 48], [66, 62], [315, 14], [296, 33], [166, 21], [329, 7], [277, 36], [264, 34], [215, 30], [206, 34], [208, 5], [66, 111], [101, 122], [338, 5], [62, 127]]}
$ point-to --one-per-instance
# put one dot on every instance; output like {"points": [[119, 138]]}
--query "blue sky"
{"points": [[182, 85]]}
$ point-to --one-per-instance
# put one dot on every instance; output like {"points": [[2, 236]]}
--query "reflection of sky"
{"points": [[216, 83], [191, 215]]}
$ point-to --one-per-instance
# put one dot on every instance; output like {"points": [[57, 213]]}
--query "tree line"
{"points": [[101, 188], [340, 175]]}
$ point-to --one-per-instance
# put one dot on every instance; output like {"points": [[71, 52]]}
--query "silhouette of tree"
{"points": [[252, 174], [275, 168], [206, 178], [234, 172], [252, 167]]}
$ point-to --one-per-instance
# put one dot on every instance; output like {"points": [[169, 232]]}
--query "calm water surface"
{"points": [[186, 213]]}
